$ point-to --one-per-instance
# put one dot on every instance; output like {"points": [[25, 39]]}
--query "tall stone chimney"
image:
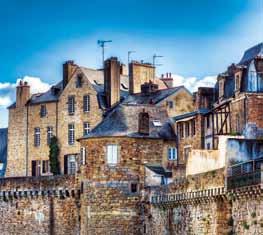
{"points": [[139, 73], [112, 81], [68, 69], [22, 94], [144, 123], [168, 80]]}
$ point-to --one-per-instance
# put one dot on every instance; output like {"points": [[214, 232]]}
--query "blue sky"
{"points": [[197, 38]]}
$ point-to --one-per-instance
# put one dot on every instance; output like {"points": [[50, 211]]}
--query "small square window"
{"points": [[172, 153], [134, 187]]}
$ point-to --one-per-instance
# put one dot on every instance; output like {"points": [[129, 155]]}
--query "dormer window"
{"points": [[43, 110], [79, 81], [221, 88], [237, 87]]}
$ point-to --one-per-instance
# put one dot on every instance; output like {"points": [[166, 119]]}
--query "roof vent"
{"points": [[157, 123]]}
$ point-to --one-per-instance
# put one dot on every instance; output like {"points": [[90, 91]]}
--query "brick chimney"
{"points": [[112, 81], [139, 73], [168, 80], [68, 69], [149, 87], [144, 123], [204, 97], [22, 94]]}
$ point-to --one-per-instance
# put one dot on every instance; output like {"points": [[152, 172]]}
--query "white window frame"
{"points": [[71, 104], [37, 137], [71, 134], [112, 154], [172, 154], [49, 134], [86, 128], [82, 156], [86, 103]]}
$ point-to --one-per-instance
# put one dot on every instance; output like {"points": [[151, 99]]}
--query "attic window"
{"points": [[79, 81], [157, 123]]}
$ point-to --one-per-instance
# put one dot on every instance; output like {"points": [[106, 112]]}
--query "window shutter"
{"points": [[65, 165], [34, 165], [114, 154]]}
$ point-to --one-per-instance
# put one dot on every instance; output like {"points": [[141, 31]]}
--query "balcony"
{"points": [[245, 174]]}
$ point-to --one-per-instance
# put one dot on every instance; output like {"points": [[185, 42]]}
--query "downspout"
{"points": [[57, 119], [27, 140], [245, 112]]}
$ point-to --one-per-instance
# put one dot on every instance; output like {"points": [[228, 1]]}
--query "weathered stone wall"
{"points": [[94, 116], [44, 205], [35, 120], [17, 142]]}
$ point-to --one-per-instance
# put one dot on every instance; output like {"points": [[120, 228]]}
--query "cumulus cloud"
{"points": [[7, 90], [192, 83]]}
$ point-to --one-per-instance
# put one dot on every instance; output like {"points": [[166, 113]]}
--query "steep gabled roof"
{"points": [[154, 97], [252, 53], [123, 121]]}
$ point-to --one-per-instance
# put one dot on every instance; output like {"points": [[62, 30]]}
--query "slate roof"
{"points": [[123, 121], [152, 98], [190, 114], [3, 149], [158, 169], [252, 53]]}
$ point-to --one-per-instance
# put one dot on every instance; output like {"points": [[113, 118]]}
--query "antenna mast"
{"points": [[102, 43]]}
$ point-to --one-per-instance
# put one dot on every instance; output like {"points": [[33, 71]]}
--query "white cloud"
{"points": [[192, 83], [8, 93]]}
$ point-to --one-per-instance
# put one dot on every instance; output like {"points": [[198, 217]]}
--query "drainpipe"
{"points": [[27, 140], [245, 111]]}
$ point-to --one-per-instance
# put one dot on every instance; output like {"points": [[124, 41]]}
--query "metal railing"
{"points": [[244, 174]]}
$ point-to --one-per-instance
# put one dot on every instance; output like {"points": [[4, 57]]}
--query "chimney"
{"points": [[144, 123], [68, 69], [204, 97], [148, 87], [168, 80], [22, 94], [139, 73], [112, 81]]}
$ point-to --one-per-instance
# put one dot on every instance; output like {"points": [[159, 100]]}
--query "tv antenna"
{"points": [[102, 43], [154, 59]]}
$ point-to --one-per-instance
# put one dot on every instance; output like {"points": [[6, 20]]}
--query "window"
{"points": [[134, 188], [71, 105], [45, 166], [86, 128], [36, 168], [208, 146], [157, 123], [221, 88], [49, 134], [37, 137], [112, 154], [86, 103], [170, 104], [193, 127], [82, 156], [71, 134], [79, 81], [43, 110], [181, 130], [187, 129], [172, 153], [71, 164], [237, 82], [207, 121]]}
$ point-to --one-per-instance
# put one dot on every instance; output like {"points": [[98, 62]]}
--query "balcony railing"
{"points": [[245, 174]]}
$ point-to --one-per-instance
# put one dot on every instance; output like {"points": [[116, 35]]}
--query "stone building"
{"points": [[232, 107], [71, 108], [118, 153]]}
